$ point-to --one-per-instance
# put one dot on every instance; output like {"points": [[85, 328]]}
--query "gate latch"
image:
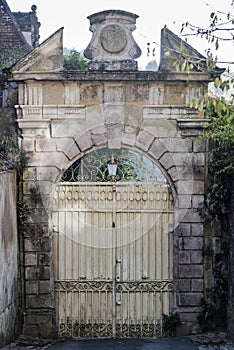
{"points": [[118, 260]]}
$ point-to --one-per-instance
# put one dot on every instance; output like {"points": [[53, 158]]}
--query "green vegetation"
{"points": [[11, 157], [170, 323], [73, 60]]}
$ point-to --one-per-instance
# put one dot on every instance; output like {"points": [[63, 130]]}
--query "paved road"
{"points": [[126, 344]]}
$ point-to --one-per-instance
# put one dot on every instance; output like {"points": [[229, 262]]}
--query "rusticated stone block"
{"points": [[37, 215], [167, 160], [188, 317], [44, 259], [39, 325], [184, 257], [99, 139], [114, 133], [44, 287], [190, 271], [189, 299], [45, 144], [197, 229], [38, 301], [67, 146], [36, 319], [193, 243], [190, 187], [157, 149], [37, 245], [199, 145], [184, 285], [183, 172], [41, 272], [183, 230], [28, 145], [184, 201], [84, 141], [56, 159], [31, 287], [190, 216], [144, 139], [196, 257], [197, 285], [197, 201], [128, 139], [30, 259]]}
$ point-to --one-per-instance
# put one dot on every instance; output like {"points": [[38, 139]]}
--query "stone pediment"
{"points": [[174, 49], [47, 57]]}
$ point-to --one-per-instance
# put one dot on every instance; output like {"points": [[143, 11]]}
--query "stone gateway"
{"points": [[116, 175]]}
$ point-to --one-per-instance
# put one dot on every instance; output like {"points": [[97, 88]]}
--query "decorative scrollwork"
{"points": [[131, 166], [99, 330], [72, 286], [147, 330], [136, 286], [147, 286], [84, 330]]}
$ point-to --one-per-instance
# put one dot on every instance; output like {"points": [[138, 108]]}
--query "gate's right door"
{"points": [[143, 271]]}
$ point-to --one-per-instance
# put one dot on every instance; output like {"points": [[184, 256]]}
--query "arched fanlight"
{"points": [[113, 165]]}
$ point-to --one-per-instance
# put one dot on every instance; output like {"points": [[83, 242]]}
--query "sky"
{"points": [[153, 16]]}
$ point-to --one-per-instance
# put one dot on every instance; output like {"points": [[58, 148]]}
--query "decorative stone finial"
{"points": [[34, 8], [112, 46]]}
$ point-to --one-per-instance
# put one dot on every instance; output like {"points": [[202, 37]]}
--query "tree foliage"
{"points": [[220, 28], [74, 60], [218, 104], [10, 55]]}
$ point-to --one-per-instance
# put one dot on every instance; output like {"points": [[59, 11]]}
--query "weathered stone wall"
{"points": [[8, 257]]}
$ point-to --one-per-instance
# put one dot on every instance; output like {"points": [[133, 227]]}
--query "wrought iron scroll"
{"points": [[80, 286], [98, 330], [72, 327], [148, 286], [131, 166], [136, 286]]}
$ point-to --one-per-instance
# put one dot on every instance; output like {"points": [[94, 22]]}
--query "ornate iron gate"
{"points": [[113, 258]]}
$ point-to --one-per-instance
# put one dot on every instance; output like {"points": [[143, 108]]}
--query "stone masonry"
{"points": [[62, 115]]}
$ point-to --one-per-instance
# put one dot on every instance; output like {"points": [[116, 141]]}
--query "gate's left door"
{"points": [[85, 259]]}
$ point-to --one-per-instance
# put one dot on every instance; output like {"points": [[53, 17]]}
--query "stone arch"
{"points": [[157, 227]]}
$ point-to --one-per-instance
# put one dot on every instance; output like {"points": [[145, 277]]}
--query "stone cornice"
{"points": [[192, 127], [143, 76]]}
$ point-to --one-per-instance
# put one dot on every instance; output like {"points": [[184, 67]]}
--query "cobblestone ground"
{"points": [[209, 341], [213, 341]]}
